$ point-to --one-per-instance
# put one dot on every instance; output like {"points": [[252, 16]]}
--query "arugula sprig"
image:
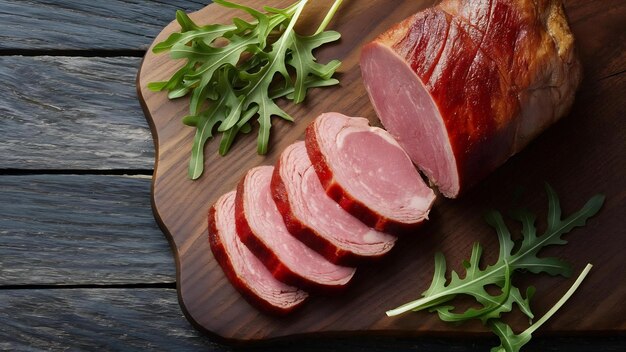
{"points": [[235, 72], [520, 256], [509, 341]]}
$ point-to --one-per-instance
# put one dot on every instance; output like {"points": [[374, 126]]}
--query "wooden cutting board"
{"points": [[581, 155]]}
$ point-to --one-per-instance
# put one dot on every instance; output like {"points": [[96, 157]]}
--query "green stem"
{"points": [[444, 296], [559, 303], [329, 16], [298, 10]]}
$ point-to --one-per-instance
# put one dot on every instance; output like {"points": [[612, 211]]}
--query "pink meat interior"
{"points": [[311, 205], [408, 112], [267, 223], [375, 170], [246, 265]]}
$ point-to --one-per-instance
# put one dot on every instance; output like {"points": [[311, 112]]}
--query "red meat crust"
{"points": [[498, 71]]}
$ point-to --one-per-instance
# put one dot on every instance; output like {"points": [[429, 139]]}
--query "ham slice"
{"points": [[316, 219], [366, 171], [467, 84], [260, 226], [245, 271]]}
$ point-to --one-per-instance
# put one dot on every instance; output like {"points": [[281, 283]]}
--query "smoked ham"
{"points": [[316, 219], [247, 274], [364, 169], [465, 85], [260, 226]]}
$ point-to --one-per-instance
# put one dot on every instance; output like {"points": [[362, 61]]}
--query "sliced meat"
{"points": [[260, 226], [366, 171], [465, 85], [316, 219], [244, 270]]}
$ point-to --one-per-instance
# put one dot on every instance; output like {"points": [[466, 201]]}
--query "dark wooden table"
{"points": [[83, 265]]}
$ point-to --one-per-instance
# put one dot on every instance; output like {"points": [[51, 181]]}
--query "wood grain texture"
{"points": [[96, 319], [79, 230], [581, 155], [72, 113], [86, 25], [600, 33]]}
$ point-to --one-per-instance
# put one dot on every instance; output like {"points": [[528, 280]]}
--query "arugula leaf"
{"points": [[257, 86], [510, 342], [308, 71], [255, 55], [191, 31], [242, 126], [511, 258], [215, 58], [206, 121], [524, 258]]}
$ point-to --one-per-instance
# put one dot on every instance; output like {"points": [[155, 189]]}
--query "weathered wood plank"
{"points": [[150, 319], [72, 113], [96, 320], [86, 25], [80, 229]]}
